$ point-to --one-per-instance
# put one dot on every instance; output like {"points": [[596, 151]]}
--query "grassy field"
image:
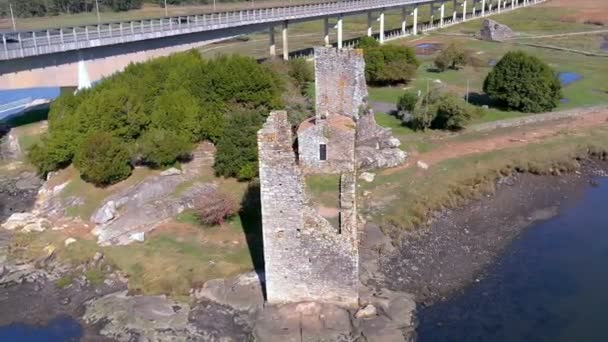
{"points": [[589, 91], [415, 193]]}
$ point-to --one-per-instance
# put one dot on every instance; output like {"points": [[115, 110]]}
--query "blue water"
{"points": [[567, 78], [552, 285], [61, 329], [8, 96]]}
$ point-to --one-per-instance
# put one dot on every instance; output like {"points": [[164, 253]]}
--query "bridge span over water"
{"points": [[71, 56]]}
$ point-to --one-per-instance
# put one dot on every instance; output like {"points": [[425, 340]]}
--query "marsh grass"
{"points": [[454, 182]]}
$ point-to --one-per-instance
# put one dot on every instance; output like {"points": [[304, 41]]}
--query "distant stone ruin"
{"points": [[306, 257], [494, 31]]}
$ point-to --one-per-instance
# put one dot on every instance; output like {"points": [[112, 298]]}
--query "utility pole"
{"points": [[214, 6], [466, 96], [167, 10], [10, 6]]}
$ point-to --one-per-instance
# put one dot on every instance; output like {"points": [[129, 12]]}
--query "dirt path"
{"points": [[492, 141]]}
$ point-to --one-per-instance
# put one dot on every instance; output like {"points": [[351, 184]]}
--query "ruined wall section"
{"points": [[337, 133], [306, 259], [339, 81]]}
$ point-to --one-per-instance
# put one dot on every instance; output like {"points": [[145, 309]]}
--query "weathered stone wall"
{"points": [[306, 259], [338, 134], [340, 81]]}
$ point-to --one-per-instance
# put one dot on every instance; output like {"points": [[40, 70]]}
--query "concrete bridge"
{"points": [[79, 55]]}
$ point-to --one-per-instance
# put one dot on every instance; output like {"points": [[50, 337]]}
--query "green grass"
{"points": [[529, 21], [64, 281], [188, 217], [394, 123], [95, 276], [324, 189], [453, 182]]}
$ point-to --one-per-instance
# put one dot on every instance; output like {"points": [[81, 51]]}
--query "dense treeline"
{"points": [[152, 113], [39, 8]]}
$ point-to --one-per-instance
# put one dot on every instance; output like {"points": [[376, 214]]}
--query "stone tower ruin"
{"points": [[306, 257]]}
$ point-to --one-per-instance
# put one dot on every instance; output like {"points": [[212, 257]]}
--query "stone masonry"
{"points": [[306, 257]]}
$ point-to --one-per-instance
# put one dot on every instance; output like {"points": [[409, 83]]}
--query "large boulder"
{"points": [[494, 31], [27, 222], [243, 293], [140, 318], [319, 322], [105, 214]]}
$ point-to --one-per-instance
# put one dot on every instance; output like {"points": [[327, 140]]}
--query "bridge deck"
{"points": [[32, 43]]}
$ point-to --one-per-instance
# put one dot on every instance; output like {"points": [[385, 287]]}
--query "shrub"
{"points": [[161, 147], [237, 151], [390, 64], [524, 83], [367, 43], [159, 107], [451, 113], [407, 102], [301, 72], [52, 153], [214, 208], [103, 159], [452, 57], [442, 111]]}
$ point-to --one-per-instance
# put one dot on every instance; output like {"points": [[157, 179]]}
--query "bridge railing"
{"points": [[23, 44], [14, 105], [31, 43]]}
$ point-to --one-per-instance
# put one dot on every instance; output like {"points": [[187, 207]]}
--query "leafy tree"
{"points": [[237, 154], [451, 113], [301, 72], [452, 57], [407, 101], [163, 147], [103, 159], [54, 152], [439, 110], [366, 43], [524, 83], [390, 64], [159, 108]]}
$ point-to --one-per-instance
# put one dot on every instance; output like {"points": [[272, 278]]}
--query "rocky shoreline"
{"points": [[459, 245], [428, 266]]}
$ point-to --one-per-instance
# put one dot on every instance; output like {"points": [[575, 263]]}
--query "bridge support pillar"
{"points": [[454, 10], [285, 41], [272, 43], [84, 81], [432, 14], [381, 19], [415, 27], [370, 30], [403, 21], [339, 27], [483, 8], [464, 11], [442, 14], [326, 31], [512, 4]]}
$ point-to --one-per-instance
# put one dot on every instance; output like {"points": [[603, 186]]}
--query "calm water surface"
{"points": [[62, 329], [551, 285]]}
